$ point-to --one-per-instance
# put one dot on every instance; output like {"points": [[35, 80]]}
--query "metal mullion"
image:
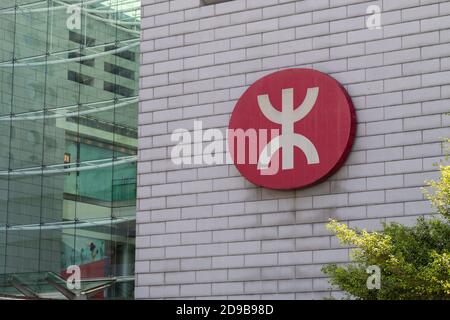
{"points": [[43, 136], [114, 230], [10, 136], [78, 159]]}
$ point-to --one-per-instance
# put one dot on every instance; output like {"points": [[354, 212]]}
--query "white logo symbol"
{"points": [[288, 138]]}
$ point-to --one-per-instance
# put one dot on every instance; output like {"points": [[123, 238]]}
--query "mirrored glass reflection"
{"points": [[68, 140]]}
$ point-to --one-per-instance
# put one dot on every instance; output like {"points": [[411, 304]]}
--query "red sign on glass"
{"points": [[291, 129]]}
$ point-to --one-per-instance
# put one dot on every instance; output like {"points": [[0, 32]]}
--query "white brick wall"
{"points": [[204, 231]]}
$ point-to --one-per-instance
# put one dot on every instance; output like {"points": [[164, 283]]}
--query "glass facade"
{"points": [[69, 73]]}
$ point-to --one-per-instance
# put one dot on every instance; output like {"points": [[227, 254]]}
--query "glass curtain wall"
{"points": [[68, 139]]}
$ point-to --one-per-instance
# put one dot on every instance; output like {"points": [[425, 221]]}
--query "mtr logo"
{"points": [[291, 129]]}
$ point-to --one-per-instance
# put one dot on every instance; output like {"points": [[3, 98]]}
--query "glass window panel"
{"points": [[68, 136]]}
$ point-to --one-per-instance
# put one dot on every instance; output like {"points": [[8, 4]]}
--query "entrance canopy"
{"points": [[49, 285]]}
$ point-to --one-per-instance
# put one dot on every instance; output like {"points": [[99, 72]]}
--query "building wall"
{"points": [[203, 231]]}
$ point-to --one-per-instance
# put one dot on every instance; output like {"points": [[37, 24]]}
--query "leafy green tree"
{"points": [[440, 199], [414, 261]]}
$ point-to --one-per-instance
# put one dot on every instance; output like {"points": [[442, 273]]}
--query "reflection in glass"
{"points": [[68, 140]]}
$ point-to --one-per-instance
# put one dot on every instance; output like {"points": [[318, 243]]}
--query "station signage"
{"points": [[291, 129]]}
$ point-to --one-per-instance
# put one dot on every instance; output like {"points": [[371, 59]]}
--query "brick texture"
{"points": [[203, 231]]}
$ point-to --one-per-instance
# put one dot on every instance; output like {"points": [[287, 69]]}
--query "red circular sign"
{"points": [[291, 129]]}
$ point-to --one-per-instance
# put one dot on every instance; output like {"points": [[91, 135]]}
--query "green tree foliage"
{"points": [[440, 198], [414, 261]]}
